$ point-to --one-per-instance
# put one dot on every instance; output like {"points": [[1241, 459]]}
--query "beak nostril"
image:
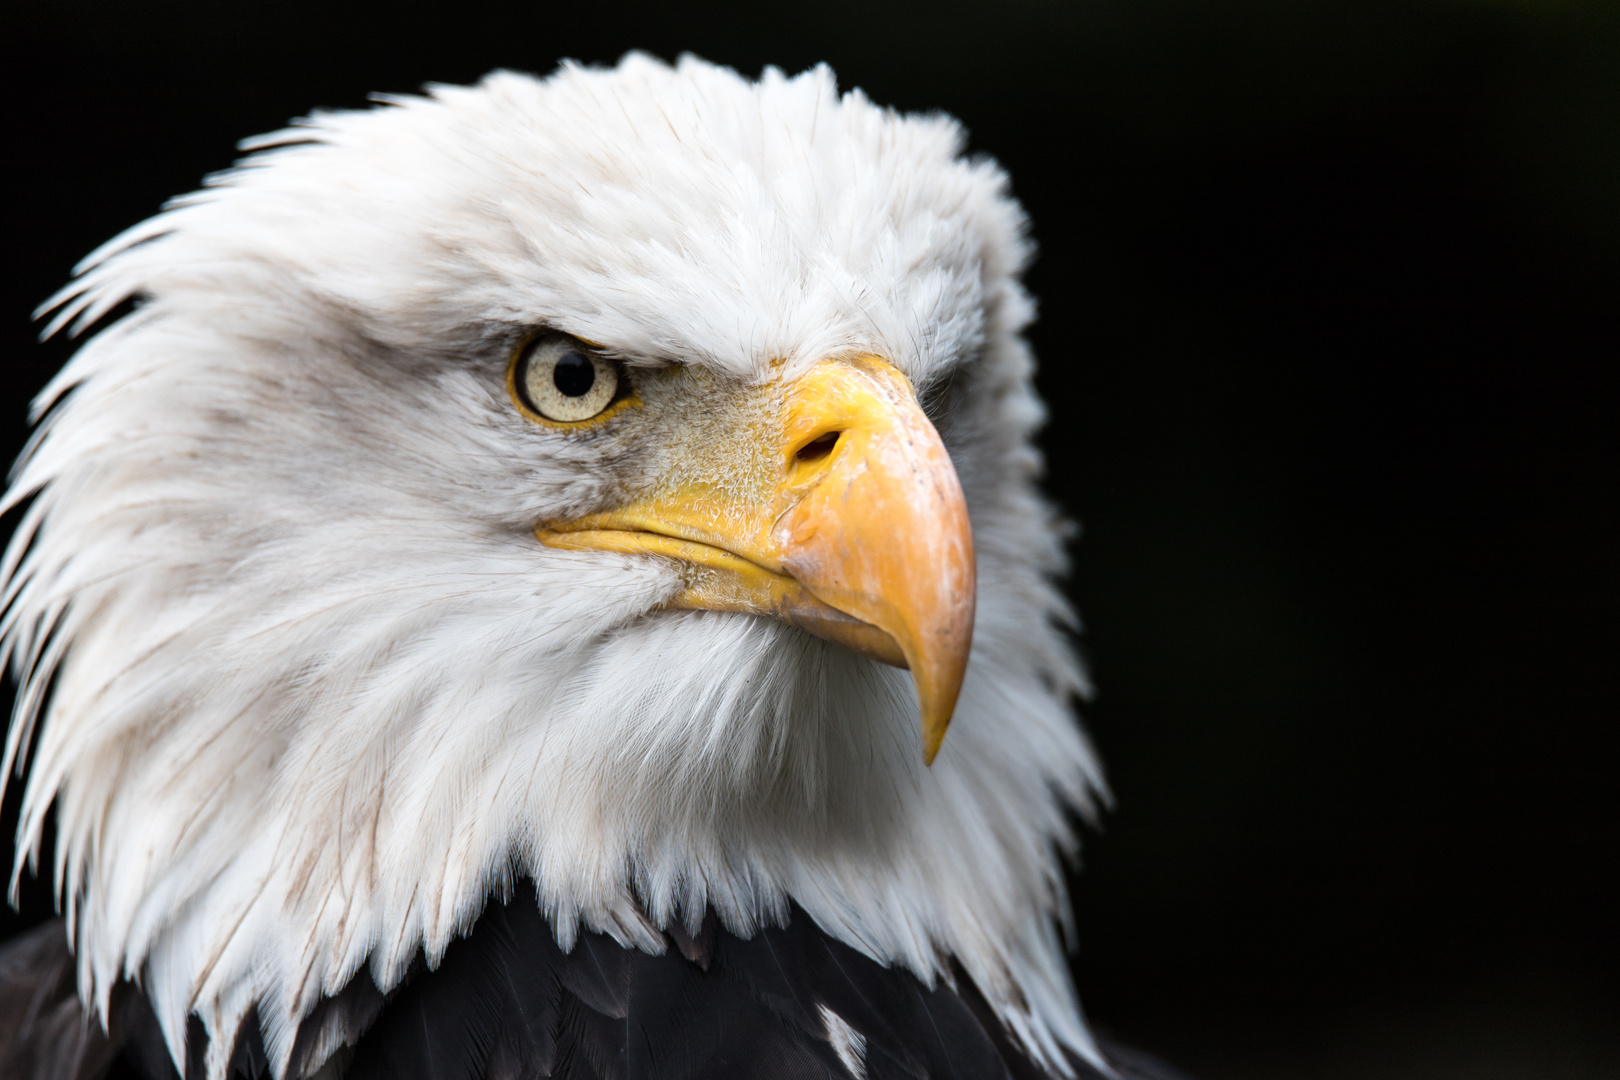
{"points": [[819, 447]]}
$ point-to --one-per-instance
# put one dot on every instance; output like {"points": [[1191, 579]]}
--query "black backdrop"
{"points": [[1329, 332]]}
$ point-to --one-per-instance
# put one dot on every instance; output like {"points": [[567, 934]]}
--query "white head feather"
{"points": [[318, 692]]}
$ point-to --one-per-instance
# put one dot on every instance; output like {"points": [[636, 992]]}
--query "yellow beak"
{"points": [[838, 511]]}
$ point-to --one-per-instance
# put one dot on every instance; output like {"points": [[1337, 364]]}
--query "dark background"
{"points": [[1329, 332]]}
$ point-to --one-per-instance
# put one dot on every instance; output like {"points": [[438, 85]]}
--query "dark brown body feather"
{"points": [[506, 1003]]}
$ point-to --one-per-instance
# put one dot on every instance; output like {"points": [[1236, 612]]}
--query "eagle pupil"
{"points": [[574, 375]]}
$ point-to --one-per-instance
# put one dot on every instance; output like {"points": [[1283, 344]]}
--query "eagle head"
{"points": [[616, 480]]}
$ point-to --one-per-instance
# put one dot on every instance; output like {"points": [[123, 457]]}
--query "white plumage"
{"points": [[317, 689]]}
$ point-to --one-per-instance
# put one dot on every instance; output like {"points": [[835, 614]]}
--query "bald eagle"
{"points": [[493, 605]]}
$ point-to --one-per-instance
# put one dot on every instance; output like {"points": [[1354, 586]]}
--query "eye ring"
{"points": [[559, 381]]}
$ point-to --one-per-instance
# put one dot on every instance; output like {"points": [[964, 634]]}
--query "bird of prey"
{"points": [[493, 588]]}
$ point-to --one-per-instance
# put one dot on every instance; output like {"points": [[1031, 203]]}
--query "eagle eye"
{"points": [[557, 378]]}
